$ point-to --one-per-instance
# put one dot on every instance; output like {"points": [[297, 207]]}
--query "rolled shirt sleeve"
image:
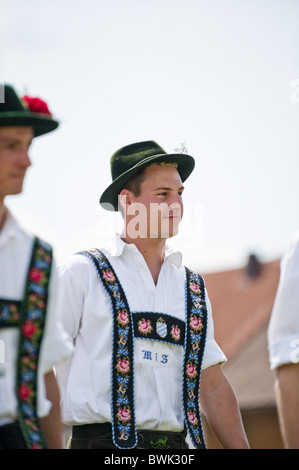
{"points": [[213, 354]]}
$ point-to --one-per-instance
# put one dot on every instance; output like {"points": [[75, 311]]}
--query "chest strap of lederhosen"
{"points": [[29, 316], [191, 334]]}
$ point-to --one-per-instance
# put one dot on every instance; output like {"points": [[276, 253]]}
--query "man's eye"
{"points": [[11, 146]]}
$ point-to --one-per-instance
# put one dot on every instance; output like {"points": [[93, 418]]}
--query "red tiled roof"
{"points": [[241, 304], [250, 375]]}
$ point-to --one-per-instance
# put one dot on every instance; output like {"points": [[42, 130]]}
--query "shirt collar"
{"points": [[10, 229], [118, 247]]}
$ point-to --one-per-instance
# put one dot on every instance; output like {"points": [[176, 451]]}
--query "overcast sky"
{"points": [[219, 76]]}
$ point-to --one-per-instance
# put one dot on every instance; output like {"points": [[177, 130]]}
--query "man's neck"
{"points": [[153, 252], [3, 214]]}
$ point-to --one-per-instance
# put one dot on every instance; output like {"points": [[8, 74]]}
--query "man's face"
{"points": [[160, 203], [14, 159]]}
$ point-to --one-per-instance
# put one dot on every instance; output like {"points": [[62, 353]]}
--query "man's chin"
{"points": [[169, 233], [15, 191]]}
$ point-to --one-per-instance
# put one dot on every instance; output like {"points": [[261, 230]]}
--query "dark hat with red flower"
{"points": [[26, 111]]}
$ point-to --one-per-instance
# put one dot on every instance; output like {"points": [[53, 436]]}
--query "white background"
{"points": [[220, 76]]}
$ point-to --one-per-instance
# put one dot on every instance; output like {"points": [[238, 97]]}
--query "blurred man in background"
{"points": [[31, 338], [283, 339]]}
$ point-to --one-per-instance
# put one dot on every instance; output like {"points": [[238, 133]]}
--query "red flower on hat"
{"points": [[36, 105]]}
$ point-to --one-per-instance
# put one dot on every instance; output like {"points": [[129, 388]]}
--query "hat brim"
{"points": [[185, 165], [40, 123]]}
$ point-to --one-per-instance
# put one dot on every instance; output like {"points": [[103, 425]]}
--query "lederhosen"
{"points": [[29, 317], [190, 334]]}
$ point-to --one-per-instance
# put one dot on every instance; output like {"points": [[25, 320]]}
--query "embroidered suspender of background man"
{"points": [[29, 316]]}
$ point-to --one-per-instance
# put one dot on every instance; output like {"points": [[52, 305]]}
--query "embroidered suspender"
{"points": [[123, 418], [191, 335], [167, 328], [29, 316], [196, 329]]}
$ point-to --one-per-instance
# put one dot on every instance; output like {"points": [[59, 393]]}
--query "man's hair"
{"points": [[134, 184]]}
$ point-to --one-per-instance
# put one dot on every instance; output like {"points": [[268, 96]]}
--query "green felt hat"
{"points": [[31, 112], [127, 161]]}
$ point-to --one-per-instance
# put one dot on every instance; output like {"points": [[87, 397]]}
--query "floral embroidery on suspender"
{"points": [[123, 417], [159, 327], [9, 313], [33, 315], [144, 327], [196, 327], [29, 316]]}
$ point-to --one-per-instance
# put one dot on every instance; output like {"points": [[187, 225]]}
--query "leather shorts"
{"points": [[99, 436]]}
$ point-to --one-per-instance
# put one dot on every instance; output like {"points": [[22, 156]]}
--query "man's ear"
{"points": [[125, 198]]}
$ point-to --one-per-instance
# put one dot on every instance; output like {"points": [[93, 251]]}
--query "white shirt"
{"points": [[283, 331], [15, 254], [86, 313]]}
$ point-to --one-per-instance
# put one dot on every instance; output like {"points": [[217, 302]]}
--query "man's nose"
{"points": [[177, 199], [176, 206], [24, 159]]}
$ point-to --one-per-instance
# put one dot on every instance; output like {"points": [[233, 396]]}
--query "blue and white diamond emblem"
{"points": [[161, 328]]}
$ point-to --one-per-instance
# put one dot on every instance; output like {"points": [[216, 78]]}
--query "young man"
{"points": [[31, 340], [142, 323], [283, 340]]}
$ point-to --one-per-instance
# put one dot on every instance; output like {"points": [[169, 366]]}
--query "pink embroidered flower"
{"points": [[24, 392], [124, 414], [35, 275], [194, 287], [192, 417], [36, 446], [109, 275], [175, 333], [123, 317], [195, 323], [144, 326], [123, 366], [191, 370], [33, 426], [29, 329], [13, 312]]}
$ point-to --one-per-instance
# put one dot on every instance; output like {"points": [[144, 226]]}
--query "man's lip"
{"points": [[17, 175]]}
